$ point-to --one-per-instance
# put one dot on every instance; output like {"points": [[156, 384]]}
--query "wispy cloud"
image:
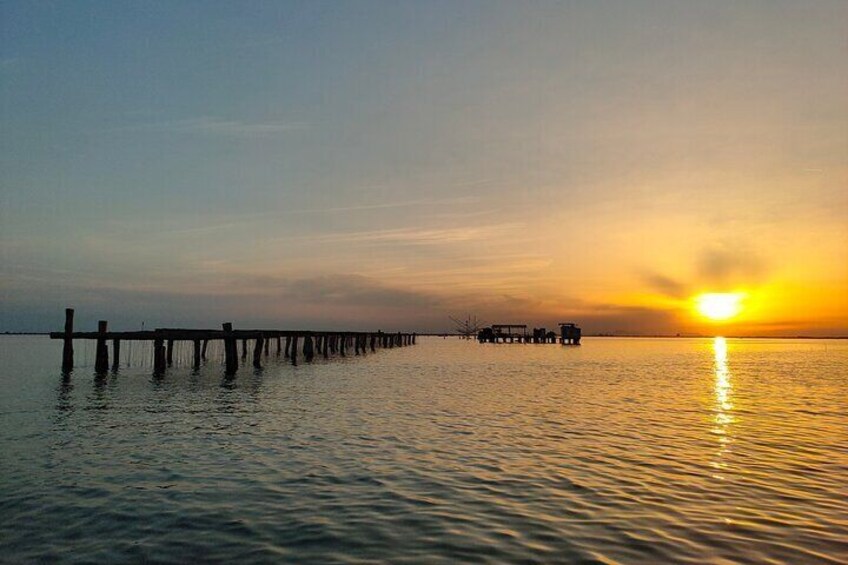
{"points": [[423, 236], [217, 126]]}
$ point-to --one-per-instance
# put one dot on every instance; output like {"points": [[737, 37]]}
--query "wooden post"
{"points": [[342, 340], [293, 351], [356, 344], [196, 353], [373, 343], [101, 356], [266, 343], [413, 339], [308, 348], [170, 352], [116, 354], [325, 343], [278, 346], [68, 344], [243, 349], [203, 349], [257, 352], [158, 355], [288, 346], [230, 350]]}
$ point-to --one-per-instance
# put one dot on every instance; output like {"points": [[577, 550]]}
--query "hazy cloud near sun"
{"points": [[721, 266], [728, 265]]}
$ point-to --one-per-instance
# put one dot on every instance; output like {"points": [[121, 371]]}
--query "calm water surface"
{"points": [[618, 451]]}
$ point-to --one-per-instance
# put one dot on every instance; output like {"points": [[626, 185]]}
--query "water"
{"points": [[621, 450]]}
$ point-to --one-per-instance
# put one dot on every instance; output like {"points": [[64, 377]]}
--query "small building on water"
{"points": [[569, 334]]}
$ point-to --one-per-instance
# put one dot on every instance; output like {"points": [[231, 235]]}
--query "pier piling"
{"points": [[101, 356], [68, 344]]}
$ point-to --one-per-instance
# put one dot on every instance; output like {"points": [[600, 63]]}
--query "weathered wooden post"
{"points": [[308, 348], [230, 349], [413, 338], [288, 346], [325, 344], [278, 346], [68, 344], [373, 344], [342, 340], [170, 352], [266, 342], [196, 363], [293, 351], [356, 344], [116, 354], [101, 356], [158, 355], [203, 349], [243, 349], [257, 352]]}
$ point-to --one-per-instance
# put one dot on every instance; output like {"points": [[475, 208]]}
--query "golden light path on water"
{"points": [[723, 406]]}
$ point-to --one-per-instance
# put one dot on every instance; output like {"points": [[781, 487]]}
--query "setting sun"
{"points": [[719, 305]]}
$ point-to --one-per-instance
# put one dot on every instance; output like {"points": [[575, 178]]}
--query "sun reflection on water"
{"points": [[723, 404]]}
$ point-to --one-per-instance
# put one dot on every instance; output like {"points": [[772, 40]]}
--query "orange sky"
{"points": [[390, 165]]}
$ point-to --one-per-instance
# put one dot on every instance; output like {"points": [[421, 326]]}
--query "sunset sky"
{"points": [[366, 165]]}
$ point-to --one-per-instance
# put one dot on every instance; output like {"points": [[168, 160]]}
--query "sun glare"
{"points": [[719, 306]]}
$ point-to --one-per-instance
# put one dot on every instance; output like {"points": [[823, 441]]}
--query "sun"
{"points": [[719, 306]]}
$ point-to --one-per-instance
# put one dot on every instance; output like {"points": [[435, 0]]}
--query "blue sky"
{"points": [[356, 164]]}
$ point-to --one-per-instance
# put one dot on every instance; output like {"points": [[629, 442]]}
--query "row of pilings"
{"points": [[292, 345]]}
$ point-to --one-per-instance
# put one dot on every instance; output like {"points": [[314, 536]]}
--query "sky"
{"points": [[383, 165]]}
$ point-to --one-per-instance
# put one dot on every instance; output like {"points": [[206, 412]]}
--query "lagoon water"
{"points": [[617, 451]]}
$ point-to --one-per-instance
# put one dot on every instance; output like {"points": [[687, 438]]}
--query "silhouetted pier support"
{"points": [[116, 354], [230, 350], [68, 341], [196, 353], [165, 341], [308, 348], [101, 356], [158, 355], [257, 352]]}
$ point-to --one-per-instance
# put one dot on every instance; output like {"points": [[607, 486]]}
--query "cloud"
{"points": [[356, 290], [727, 263], [216, 126], [665, 285], [421, 236]]}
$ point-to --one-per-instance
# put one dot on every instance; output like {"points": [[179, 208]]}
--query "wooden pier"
{"points": [[290, 343]]}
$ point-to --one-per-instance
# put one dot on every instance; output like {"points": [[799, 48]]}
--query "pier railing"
{"points": [[306, 342]]}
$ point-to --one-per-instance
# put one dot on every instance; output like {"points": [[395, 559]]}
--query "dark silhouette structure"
{"points": [[570, 334], [323, 342]]}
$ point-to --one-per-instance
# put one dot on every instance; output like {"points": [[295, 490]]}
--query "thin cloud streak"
{"points": [[216, 126]]}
